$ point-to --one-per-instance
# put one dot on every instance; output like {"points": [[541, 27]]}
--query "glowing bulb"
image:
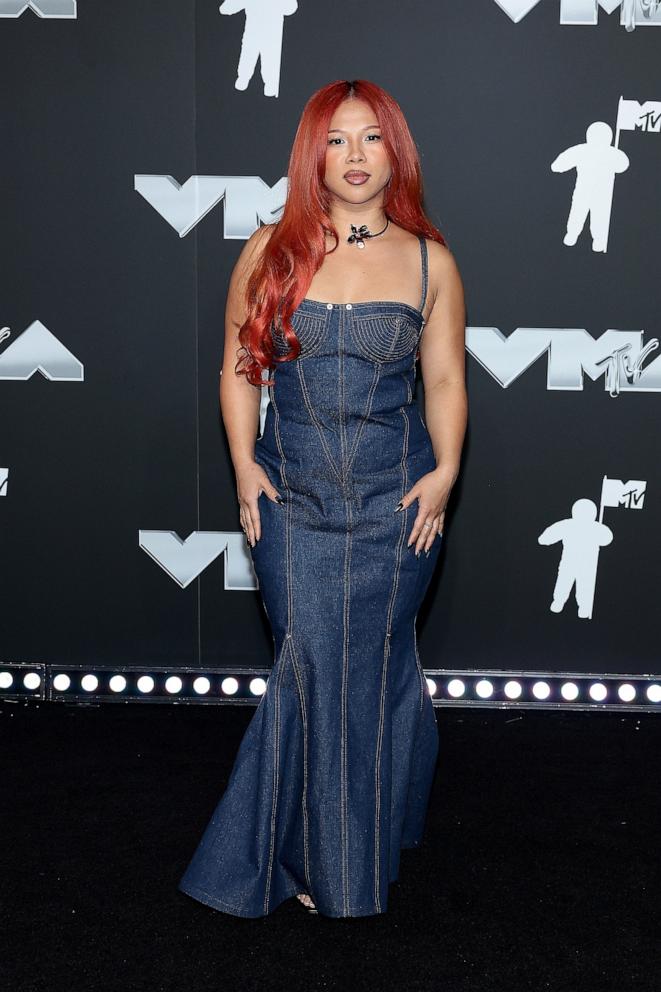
{"points": [[117, 683]]}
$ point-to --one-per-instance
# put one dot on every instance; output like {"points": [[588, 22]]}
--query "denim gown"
{"points": [[333, 774]]}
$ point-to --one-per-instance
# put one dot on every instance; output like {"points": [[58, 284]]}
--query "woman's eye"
{"points": [[377, 136]]}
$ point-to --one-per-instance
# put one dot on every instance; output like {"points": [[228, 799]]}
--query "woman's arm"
{"points": [[443, 363], [239, 399]]}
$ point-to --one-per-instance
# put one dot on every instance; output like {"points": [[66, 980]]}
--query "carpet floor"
{"points": [[539, 870]]}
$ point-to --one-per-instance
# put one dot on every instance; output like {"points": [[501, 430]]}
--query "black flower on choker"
{"points": [[357, 235]]}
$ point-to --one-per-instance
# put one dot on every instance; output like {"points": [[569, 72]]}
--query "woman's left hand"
{"points": [[432, 492]]}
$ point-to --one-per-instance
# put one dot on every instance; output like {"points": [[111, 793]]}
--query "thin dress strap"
{"points": [[423, 252]]}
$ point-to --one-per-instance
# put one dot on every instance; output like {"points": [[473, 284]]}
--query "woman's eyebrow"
{"points": [[366, 128]]}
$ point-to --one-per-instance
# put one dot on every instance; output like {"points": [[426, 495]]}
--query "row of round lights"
{"points": [[598, 692], [146, 684], [457, 688], [31, 680]]}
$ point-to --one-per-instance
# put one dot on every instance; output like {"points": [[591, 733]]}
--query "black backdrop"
{"points": [[99, 105]]}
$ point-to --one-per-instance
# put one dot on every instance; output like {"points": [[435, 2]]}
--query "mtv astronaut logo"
{"points": [[582, 537]]}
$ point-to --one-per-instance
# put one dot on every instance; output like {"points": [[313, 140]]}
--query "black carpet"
{"points": [[540, 868]]}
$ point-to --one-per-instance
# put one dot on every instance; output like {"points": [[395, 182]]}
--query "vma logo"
{"points": [[248, 200], [618, 356], [185, 560], [633, 13], [38, 350]]}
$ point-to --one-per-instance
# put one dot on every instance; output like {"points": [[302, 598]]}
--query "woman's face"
{"points": [[354, 144]]}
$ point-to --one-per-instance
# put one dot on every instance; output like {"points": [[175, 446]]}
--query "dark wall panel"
{"points": [[133, 170]]}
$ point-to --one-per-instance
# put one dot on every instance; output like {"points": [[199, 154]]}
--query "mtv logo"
{"points": [[571, 354]]}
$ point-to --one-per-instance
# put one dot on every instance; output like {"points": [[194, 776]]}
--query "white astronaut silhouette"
{"points": [[262, 37], [596, 162], [582, 536]]}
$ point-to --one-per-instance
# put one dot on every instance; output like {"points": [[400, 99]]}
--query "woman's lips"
{"points": [[357, 178]]}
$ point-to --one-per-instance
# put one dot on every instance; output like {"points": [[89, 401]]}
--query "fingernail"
{"points": [[279, 500], [417, 554], [427, 553], [399, 506]]}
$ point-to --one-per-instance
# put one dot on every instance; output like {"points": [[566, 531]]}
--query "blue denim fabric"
{"points": [[333, 774]]}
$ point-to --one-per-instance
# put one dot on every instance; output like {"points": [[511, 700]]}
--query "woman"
{"points": [[339, 498]]}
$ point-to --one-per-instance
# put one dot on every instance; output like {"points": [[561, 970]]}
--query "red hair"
{"points": [[296, 247]]}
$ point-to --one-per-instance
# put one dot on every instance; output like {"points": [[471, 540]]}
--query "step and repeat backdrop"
{"points": [[142, 144]]}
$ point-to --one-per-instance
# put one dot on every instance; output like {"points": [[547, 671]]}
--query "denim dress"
{"points": [[333, 774]]}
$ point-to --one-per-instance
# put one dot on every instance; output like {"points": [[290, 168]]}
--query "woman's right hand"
{"points": [[251, 482]]}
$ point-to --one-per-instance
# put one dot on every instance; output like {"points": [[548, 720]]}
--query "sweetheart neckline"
{"points": [[366, 303]]}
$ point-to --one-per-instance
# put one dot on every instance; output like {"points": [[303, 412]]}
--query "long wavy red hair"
{"points": [[296, 247]]}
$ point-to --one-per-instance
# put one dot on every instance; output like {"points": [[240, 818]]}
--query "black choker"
{"points": [[359, 233]]}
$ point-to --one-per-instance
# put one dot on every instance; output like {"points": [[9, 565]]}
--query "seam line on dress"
{"points": [[290, 623], [288, 579], [345, 660], [276, 775], [283, 476], [418, 663], [315, 421], [368, 410], [386, 658], [306, 848]]}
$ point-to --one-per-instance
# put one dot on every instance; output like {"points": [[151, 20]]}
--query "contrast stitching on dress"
{"points": [[283, 475], [386, 658], [276, 776], [345, 662], [368, 410], [385, 337], [418, 664], [310, 329], [301, 693], [313, 417], [290, 606]]}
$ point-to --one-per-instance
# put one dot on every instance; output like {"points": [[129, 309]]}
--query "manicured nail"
{"points": [[279, 500], [399, 506], [427, 553]]}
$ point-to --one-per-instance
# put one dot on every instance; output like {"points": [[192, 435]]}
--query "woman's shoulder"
{"points": [[442, 266], [441, 259]]}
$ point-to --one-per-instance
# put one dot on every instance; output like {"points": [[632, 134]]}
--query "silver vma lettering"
{"points": [[37, 350], [42, 8], [618, 356], [633, 13], [185, 560], [248, 200]]}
